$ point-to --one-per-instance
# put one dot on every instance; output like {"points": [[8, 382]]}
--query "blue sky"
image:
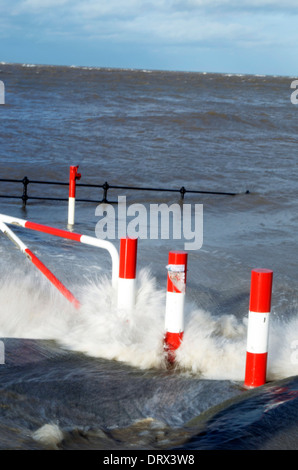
{"points": [[229, 36]]}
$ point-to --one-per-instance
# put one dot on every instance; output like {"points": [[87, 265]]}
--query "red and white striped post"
{"points": [[258, 327], [127, 273], [174, 317], [73, 176]]}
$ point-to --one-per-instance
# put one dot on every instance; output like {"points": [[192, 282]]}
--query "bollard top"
{"points": [[262, 271], [128, 258], [73, 176], [74, 172], [178, 257], [261, 290]]}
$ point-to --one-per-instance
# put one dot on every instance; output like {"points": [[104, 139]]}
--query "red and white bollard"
{"points": [[174, 317], [258, 327], [73, 176], [127, 273]]}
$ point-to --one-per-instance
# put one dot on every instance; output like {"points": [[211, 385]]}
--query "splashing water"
{"points": [[213, 347]]}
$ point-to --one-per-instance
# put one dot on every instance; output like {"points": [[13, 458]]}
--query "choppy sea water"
{"points": [[97, 379]]}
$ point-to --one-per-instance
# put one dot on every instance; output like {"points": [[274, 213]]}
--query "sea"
{"points": [[97, 378]]}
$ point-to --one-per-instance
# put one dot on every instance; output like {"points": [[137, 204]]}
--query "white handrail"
{"points": [[85, 239], [33, 258]]}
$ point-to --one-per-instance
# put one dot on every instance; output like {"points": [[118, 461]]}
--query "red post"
{"points": [[73, 176], [258, 327]]}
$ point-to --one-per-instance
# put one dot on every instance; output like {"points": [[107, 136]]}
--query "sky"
{"points": [[222, 36]]}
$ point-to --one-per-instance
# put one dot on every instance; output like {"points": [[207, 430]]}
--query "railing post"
{"points": [[182, 192], [105, 192], [73, 176], [25, 198]]}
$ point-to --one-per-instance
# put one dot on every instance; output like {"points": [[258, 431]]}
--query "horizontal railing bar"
{"points": [[47, 182], [142, 189], [35, 197], [50, 198], [112, 186], [11, 180], [8, 180], [105, 187], [169, 190], [62, 199]]}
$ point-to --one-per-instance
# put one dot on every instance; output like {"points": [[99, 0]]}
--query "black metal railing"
{"points": [[105, 187]]}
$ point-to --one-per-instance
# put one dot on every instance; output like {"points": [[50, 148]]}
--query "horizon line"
{"points": [[145, 70]]}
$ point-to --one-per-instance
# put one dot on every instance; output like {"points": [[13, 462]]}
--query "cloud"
{"points": [[236, 5], [36, 6], [196, 22], [96, 9], [217, 24]]}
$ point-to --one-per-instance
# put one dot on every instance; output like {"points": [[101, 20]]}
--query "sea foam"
{"points": [[213, 347]]}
